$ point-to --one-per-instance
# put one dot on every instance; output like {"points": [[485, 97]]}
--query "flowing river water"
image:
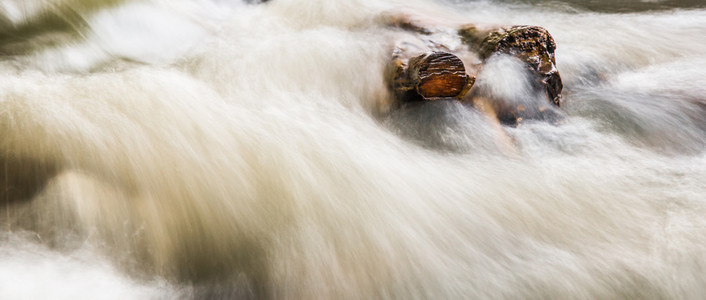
{"points": [[217, 149]]}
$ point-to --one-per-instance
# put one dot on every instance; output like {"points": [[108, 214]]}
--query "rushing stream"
{"points": [[217, 149]]}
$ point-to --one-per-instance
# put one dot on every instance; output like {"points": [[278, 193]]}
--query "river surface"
{"points": [[215, 149]]}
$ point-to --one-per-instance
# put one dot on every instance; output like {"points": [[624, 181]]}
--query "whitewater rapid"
{"points": [[217, 149]]}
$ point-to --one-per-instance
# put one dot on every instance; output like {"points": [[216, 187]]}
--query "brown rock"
{"points": [[431, 76], [532, 44]]}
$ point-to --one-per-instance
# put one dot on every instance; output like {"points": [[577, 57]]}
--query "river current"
{"points": [[207, 149]]}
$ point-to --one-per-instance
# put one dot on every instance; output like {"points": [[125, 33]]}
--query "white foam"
{"points": [[265, 151]]}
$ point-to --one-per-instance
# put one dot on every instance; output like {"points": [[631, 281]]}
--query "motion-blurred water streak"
{"points": [[222, 149]]}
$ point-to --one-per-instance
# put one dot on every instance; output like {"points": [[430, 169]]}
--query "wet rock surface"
{"points": [[431, 76], [447, 54], [533, 45]]}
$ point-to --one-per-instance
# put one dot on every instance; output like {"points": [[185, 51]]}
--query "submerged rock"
{"points": [[21, 178], [532, 44], [448, 53]]}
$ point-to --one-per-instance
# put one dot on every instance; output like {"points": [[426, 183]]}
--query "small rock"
{"points": [[532, 44], [431, 76]]}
